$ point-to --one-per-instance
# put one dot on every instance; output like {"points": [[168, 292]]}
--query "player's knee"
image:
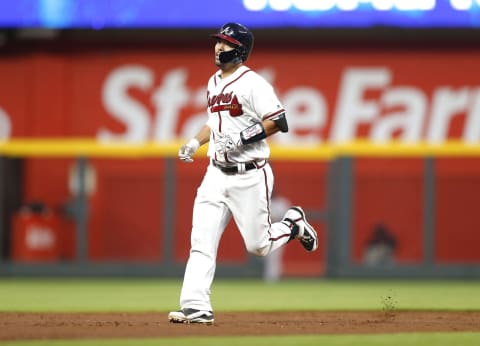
{"points": [[258, 250]]}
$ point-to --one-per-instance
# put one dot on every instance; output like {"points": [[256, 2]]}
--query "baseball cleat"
{"points": [[191, 316], [306, 233]]}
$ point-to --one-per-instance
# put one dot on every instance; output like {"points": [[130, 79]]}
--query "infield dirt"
{"points": [[23, 326]]}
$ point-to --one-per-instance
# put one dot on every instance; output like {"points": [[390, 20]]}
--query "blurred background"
{"points": [[134, 73]]}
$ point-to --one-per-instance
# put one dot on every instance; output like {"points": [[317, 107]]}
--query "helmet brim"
{"points": [[227, 38]]}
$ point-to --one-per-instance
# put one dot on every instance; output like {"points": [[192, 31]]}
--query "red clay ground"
{"points": [[17, 326]]}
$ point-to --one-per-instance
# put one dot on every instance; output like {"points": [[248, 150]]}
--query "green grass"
{"points": [[135, 295], [411, 339], [237, 295]]}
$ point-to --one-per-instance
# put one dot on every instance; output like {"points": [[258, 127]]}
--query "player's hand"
{"points": [[187, 150], [225, 144], [185, 153]]}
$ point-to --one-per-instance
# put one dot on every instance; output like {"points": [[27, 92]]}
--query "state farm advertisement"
{"points": [[160, 95]]}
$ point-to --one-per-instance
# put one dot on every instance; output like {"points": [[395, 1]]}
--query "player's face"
{"points": [[222, 46]]}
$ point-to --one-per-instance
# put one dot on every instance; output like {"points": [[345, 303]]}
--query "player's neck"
{"points": [[229, 69]]}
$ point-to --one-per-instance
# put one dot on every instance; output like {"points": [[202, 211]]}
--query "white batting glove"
{"points": [[225, 144], [188, 150]]}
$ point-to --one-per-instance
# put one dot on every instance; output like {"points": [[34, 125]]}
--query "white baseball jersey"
{"points": [[235, 103]]}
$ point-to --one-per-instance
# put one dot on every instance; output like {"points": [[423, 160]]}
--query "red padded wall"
{"points": [[457, 220], [389, 191]]}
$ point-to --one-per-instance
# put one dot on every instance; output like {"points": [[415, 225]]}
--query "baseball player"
{"points": [[243, 110]]}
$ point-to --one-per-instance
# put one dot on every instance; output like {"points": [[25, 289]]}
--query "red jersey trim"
{"points": [[273, 115]]}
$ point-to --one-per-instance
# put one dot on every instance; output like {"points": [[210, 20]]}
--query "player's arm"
{"points": [[203, 136], [190, 148], [262, 130], [275, 125]]}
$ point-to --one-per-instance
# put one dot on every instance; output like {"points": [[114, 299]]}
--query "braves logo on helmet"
{"points": [[227, 31]]}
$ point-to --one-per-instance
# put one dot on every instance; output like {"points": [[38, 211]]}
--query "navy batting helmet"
{"points": [[240, 37]]}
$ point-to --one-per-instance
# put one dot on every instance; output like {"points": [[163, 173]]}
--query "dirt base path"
{"points": [[17, 326]]}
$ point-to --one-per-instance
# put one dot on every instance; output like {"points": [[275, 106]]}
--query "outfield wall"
{"points": [[157, 93]]}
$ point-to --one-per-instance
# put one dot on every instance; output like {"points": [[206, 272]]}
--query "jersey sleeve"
{"points": [[264, 100]]}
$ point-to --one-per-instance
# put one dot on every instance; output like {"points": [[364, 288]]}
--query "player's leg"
{"points": [[249, 200], [210, 217]]}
